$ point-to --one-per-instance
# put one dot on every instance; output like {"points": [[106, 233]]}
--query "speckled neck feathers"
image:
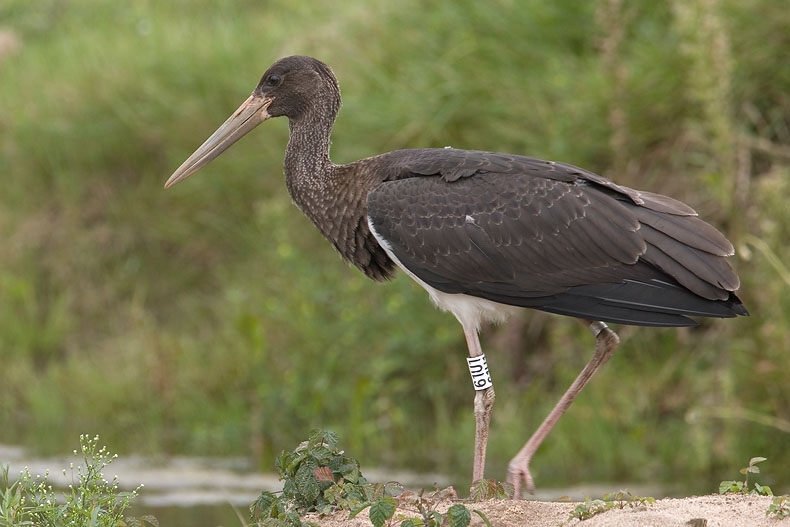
{"points": [[332, 196]]}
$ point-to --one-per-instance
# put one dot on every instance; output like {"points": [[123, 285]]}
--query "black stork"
{"points": [[486, 233]]}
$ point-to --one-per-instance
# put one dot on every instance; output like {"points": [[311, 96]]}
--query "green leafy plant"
{"points": [[588, 509], [734, 486], [486, 489], [779, 507], [90, 500], [616, 500], [427, 505], [318, 477], [315, 466]]}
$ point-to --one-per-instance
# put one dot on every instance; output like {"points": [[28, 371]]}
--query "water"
{"points": [[195, 515]]}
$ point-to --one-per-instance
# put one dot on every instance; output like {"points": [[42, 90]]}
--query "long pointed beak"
{"points": [[250, 114]]}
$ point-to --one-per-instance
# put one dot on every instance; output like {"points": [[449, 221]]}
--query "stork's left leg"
{"points": [[518, 469], [484, 404]]}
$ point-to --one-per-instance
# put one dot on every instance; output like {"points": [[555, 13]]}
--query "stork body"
{"points": [[487, 233]]}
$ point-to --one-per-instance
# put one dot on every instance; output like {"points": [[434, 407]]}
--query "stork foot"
{"points": [[519, 476]]}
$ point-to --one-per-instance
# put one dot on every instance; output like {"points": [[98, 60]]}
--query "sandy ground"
{"points": [[700, 511]]}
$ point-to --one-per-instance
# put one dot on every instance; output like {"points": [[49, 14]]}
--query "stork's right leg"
{"points": [[518, 470], [484, 403]]}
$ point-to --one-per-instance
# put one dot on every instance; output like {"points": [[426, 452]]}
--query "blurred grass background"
{"points": [[212, 319]]}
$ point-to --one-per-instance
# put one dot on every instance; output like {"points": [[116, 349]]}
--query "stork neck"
{"points": [[307, 154]]}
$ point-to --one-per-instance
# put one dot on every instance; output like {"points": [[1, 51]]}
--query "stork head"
{"points": [[291, 87]]}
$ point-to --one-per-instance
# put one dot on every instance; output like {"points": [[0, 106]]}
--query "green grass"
{"points": [[213, 319]]}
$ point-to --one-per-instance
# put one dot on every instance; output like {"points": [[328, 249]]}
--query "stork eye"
{"points": [[273, 80]]}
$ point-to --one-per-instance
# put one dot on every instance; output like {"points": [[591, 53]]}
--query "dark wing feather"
{"points": [[532, 233]]}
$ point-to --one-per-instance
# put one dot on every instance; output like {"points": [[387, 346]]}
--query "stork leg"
{"points": [[483, 405], [518, 469]]}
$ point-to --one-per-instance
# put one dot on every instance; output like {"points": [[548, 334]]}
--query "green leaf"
{"points": [[349, 471], [731, 486], [382, 511], [356, 492], [263, 504], [459, 516], [393, 488], [763, 490], [335, 493], [320, 453], [358, 509], [484, 517], [323, 437], [434, 517], [480, 490], [307, 484]]}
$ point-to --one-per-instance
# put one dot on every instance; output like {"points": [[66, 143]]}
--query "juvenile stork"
{"points": [[486, 233]]}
